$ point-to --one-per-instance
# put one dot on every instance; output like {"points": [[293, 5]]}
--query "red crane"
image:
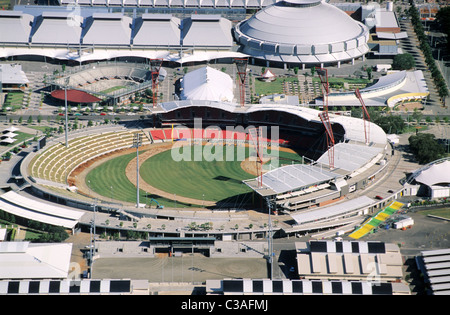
{"points": [[324, 117], [155, 66], [241, 65], [366, 117]]}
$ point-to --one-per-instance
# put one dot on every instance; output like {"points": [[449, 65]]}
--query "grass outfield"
{"points": [[112, 174], [211, 180], [202, 180]]}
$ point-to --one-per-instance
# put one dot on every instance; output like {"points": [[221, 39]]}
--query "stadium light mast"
{"points": [[155, 66], [324, 117], [241, 65], [137, 142], [255, 135], [366, 117], [66, 83], [270, 238]]}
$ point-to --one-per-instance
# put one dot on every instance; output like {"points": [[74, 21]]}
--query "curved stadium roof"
{"points": [[305, 31]]}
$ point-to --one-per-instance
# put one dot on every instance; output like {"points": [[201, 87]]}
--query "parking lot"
{"points": [[426, 234]]}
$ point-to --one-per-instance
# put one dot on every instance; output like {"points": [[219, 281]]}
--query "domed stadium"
{"points": [[307, 32]]}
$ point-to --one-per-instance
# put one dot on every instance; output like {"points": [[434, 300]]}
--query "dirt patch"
{"points": [[409, 106], [251, 166]]}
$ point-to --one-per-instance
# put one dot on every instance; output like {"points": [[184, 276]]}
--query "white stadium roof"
{"points": [[58, 34], [25, 260], [164, 30], [175, 3], [12, 74], [207, 84], [351, 157], [305, 31], [206, 30], [292, 177], [435, 174], [33, 209], [15, 26], [389, 89], [57, 28], [331, 211], [111, 29]]}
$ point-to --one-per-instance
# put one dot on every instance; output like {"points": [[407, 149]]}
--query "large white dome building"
{"points": [[303, 32]]}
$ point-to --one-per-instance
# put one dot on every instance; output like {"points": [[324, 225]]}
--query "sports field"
{"points": [[216, 176], [213, 180], [110, 181]]}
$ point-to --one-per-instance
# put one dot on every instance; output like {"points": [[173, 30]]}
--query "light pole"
{"points": [[269, 239], [66, 83], [137, 142]]}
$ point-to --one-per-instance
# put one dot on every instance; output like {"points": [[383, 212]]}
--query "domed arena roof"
{"points": [[302, 31]]}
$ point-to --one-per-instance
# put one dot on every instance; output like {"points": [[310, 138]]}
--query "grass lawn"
{"points": [[40, 128], [216, 180], [440, 212], [14, 100], [112, 174], [274, 87], [114, 88]]}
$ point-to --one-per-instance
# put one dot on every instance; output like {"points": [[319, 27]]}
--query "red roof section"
{"points": [[75, 96]]}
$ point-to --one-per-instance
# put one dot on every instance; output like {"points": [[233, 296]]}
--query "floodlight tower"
{"points": [[155, 66], [137, 142], [324, 117], [270, 238], [66, 83], [366, 117], [254, 138], [241, 65]]}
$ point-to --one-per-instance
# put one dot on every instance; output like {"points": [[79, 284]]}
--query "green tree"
{"points": [[391, 123], [403, 62], [369, 73], [425, 147], [417, 115]]}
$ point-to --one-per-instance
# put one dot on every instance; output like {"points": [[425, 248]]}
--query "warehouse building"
{"points": [[435, 266], [367, 261]]}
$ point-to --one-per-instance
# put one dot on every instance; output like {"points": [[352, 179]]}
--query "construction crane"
{"points": [[155, 67], [366, 117], [324, 117], [241, 65]]}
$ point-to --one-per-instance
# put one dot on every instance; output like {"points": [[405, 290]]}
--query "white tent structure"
{"points": [[207, 84], [7, 140], [268, 75], [11, 129]]}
